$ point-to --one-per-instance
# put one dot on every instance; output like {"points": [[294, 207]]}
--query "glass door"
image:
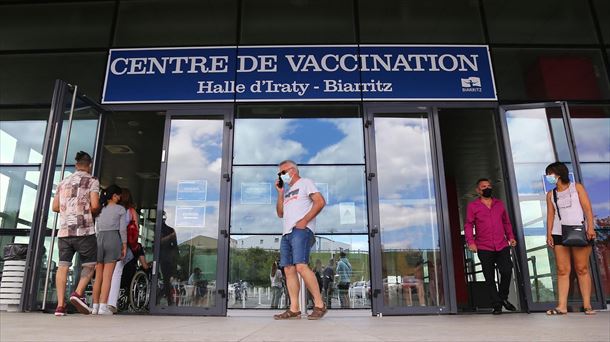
{"points": [[191, 242], [327, 144], [407, 246], [535, 136], [74, 125]]}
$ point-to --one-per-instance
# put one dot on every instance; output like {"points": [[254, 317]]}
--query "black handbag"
{"points": [[571, 236]]}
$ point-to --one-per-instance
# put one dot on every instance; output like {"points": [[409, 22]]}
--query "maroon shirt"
{"points": [[492, 225]]}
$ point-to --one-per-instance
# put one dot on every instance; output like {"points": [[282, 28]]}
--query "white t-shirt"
{"points": [[297, 204], [570, 208]]}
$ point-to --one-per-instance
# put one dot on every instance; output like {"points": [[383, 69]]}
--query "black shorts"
{"points": [[86, 246]]}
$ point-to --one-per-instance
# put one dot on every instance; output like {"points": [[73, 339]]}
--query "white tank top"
{"points": [[570, 208]]}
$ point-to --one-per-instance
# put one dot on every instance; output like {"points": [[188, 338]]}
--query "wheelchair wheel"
{"points": [[123, 302], [139, 292]]}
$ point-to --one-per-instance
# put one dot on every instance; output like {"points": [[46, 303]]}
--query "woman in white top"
{"points": [[276, 285], [574, 208]]}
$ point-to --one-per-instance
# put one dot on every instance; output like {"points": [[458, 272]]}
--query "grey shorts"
{"points": [[108, 246]]}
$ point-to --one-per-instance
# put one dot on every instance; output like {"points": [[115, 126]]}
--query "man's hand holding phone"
{"points": [[279, 183]]}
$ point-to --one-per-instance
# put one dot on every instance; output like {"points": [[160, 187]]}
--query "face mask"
{"points": [[551, 179], [486, 192], [286, 178]]}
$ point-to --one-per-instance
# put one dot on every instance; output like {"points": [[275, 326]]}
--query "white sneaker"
{"points": [[104, 311], [95, 309]]}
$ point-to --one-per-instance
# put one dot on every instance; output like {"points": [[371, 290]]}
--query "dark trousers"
{"points": [[489, 261]]}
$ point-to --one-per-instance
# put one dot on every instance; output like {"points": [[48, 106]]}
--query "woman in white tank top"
{"points": [[574, 207]]}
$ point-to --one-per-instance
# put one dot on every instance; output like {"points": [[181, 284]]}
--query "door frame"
{"points": [[597, 302], [220, 307], [63, 92], [431, 110]]}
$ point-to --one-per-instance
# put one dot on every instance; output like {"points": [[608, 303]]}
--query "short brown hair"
{"points": [[483, 180], [560, 169]]}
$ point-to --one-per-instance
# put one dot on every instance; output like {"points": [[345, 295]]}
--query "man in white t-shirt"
{"points": [[298, 203]]}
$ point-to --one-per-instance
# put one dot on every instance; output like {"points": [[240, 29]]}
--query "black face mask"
{"points": [[486, 192]]}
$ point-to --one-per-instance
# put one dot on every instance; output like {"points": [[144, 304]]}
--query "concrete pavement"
{"points": [[336, 326]]}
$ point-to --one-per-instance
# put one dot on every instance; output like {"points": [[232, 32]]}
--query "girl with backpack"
{"points": [[111, 246]]}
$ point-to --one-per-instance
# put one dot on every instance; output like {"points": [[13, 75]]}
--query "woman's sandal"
{"points": [[556, 312], [287, 315], [589, 311]]}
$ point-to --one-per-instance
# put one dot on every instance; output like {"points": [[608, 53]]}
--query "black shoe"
{"points": [[497, 310], [508, 306]]}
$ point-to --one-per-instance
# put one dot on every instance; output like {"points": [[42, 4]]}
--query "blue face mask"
{"points": [[551, 179], [286, 178]]}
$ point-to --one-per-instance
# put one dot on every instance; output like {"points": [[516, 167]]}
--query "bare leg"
{"points": [[86, 274], [562, 259], [60, 284], [421, 296], [292, 283], [581, 265], [311, 283], [97, 285], [108, 270]]}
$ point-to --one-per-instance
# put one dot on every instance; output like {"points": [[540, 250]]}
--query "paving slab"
{"points": [[336, 326]]}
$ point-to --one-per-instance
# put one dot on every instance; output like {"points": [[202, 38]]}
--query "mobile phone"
{"points": [[280, 183]]}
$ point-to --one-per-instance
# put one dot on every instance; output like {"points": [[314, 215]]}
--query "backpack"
{"points": [[133, 232]]}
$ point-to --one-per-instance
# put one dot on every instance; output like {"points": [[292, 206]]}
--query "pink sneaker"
{"points": [[80, 303], [60, 311]]}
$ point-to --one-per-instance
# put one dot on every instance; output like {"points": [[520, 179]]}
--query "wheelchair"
{"points": [[135, 297]]}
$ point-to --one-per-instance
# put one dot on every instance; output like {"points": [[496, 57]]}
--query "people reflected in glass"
{"points": [[200, 286], [344, 270], [413, 278], [276, 285], [328, 278], [168, 257]]}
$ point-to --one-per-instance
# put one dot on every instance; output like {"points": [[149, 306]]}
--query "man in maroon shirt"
{"points": [[493, 238]]}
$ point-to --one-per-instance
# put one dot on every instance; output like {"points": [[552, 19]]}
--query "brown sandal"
{"points": [[317, 313], [589, 311], [556, 312], [287, 315]]}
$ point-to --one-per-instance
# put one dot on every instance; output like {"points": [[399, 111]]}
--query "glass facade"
{"points": [[591, 127], [537, 55], [411, 258], [334, 161]]}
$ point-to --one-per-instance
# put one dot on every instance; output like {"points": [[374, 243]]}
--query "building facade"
{"points": [[397, 173]]}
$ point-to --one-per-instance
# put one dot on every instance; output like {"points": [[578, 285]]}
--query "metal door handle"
{"points": [[224, 233], [374, 232]]}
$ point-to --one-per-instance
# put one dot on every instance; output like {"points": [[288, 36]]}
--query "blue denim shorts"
{"points": [[295, 247]]}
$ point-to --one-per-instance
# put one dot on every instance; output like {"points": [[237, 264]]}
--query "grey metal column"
{"points": [[303, 296], [63, 169], [39, 222]]}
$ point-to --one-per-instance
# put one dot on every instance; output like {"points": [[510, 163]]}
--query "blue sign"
{"points": [[190, 217], [192, 190], [299, 73]]}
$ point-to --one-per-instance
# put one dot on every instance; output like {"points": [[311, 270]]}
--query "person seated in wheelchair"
{"points": [[131, 267], [201, 285]]}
